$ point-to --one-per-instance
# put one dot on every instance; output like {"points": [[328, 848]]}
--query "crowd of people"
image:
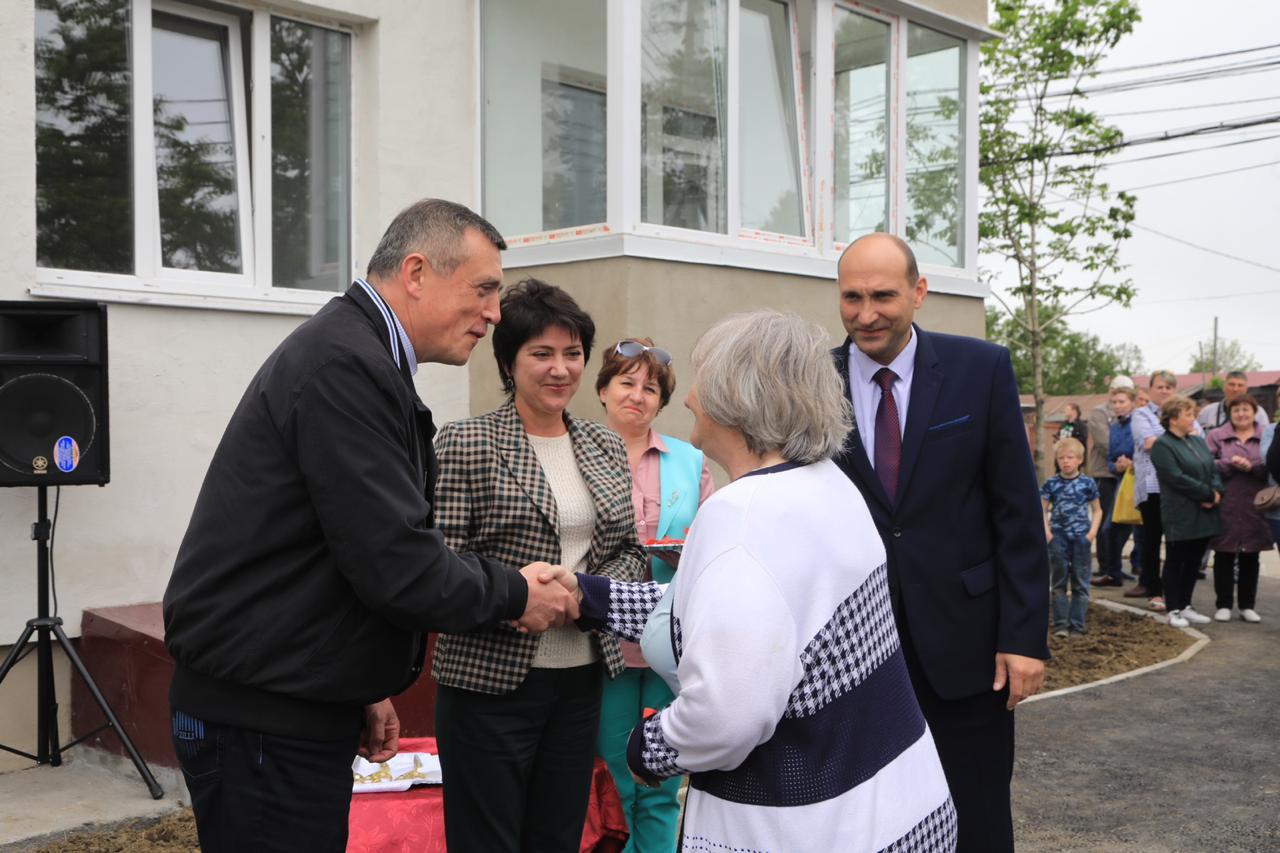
{"points": [[829, 647], [1189, 475]]}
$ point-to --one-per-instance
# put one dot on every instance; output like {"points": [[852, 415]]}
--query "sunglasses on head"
{"points": [[631, 349]]}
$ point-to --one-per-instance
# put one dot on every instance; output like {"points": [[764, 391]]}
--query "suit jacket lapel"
{"points": [[854, 451], [601, 479], [926, 383], [522, 462]]}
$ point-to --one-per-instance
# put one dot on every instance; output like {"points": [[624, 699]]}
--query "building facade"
{"points": [[216, 171]]}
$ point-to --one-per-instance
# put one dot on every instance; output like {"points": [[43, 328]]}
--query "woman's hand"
{"points": [[1240, 463]]}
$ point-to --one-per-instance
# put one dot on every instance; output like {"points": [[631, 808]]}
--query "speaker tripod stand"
{"points": [[48, 750]]}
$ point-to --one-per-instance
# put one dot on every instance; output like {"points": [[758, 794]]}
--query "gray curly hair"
{"points": [[770, 376]]}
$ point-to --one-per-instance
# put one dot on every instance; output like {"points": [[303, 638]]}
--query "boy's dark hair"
{"points": [[530, 307]]}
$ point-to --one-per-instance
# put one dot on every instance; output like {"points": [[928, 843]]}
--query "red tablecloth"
{"points": [[414, 820]]}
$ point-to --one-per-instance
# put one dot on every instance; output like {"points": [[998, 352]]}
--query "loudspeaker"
{"points": [[53, 394]]}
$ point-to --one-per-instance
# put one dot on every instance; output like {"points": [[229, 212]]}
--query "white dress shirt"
{"points": [[865, 391]]}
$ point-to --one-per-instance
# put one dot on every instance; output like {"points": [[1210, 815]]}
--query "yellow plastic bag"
{"points": [[1124, 511]]}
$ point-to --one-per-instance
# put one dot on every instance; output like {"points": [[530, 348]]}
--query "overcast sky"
{"points": [[1181, 288]]}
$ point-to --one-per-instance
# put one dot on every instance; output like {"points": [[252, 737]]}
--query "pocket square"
{"points": [[964, 419]]}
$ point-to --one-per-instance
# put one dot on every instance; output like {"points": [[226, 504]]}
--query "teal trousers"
{"points": [[652, 813]]}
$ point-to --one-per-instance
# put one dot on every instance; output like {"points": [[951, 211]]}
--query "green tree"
{"points": [[1039, 144], [1073, 362], [1223, 355]]}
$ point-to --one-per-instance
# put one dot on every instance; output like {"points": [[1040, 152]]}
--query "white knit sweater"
{"points": [[561, 648]]}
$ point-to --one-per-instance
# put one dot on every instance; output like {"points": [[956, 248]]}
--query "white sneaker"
{"points": [[1223, 614], [1192, 616], [1250, 615], [1176, 620]]}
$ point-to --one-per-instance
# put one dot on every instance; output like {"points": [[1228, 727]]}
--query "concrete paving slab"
{"points": [[1186, 758], [40, 801]]}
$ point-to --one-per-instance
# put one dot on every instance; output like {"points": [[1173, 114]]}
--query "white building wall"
{"points": [[176, 374]]}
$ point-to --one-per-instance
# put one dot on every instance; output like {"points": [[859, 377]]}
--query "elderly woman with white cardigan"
{"points": [[794, 716]]}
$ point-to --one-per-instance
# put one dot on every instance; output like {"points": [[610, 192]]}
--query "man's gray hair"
{"points": [[1165, 376], [770, 376], [435, 228]]}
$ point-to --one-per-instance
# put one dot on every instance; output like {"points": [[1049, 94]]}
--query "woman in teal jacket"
{"points": [[669, 480], [1190, 491]]}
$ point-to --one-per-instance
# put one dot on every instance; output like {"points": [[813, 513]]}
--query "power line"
{"points": [[1201, 177], [1182, 240], [1187, 59], [1215, 72], [1192, 150], [1189, 107], [1200, 130], [1206, 298], [1220, 254]]}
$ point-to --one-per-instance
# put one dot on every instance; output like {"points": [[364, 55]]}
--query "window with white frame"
{"points": [[862, 124], [544, 114], [726, 118], [934, 83], [168, 195]]}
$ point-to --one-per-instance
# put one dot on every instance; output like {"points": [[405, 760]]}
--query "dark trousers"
{"points": [[252, 791], [974, 737], [1151, 533], [1106, 500], [1182, 565], [1225, 582], [517, 766]]}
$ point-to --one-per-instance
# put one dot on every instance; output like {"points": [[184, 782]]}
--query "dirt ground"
{"points": [[171, 833], [1115, 643]]}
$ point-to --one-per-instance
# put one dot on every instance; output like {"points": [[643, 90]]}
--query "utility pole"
{"points": [[1215, 347]]}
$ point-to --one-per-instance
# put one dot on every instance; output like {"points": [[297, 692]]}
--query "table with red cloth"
{"points": [[414, 819]]}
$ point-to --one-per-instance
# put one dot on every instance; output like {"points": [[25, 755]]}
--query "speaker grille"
{"points": [[36, 410]]}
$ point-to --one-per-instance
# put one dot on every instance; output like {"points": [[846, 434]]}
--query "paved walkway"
{"points": [[1183, 759]]}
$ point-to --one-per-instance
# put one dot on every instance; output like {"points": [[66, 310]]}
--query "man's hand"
{"points": [[380, 740], [1024, 675], [550, 604]]}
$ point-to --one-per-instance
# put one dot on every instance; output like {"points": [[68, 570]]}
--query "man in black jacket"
{"points": [[312, 565]]}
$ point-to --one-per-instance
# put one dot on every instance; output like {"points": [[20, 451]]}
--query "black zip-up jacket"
{"points": [[312, 564]]}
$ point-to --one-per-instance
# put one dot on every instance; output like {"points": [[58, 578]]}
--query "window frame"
{"points": [[626, 234], [252, 289]]}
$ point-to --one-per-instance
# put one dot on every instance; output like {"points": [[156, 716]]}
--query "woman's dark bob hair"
{"points": [[529, 308]]}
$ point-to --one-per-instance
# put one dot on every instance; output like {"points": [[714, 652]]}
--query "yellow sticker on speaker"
{"points": [[66, 454]]}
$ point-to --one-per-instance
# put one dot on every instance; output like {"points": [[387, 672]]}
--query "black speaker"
{"points": [[53, 394]]}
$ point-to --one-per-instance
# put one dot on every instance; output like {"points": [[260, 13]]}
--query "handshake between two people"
{"points": [[553, 598]]}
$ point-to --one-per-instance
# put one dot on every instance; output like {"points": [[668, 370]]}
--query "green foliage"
{"points": [[1231, 355], [1036, 150], [1073, 362]]}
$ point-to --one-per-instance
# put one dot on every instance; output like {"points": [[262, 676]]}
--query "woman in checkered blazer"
{"points": [[516, 714]]}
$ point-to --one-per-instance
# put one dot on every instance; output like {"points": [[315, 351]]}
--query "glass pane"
{"points": [[310, 157], [573, 155], [861, 126], [769, 168], [935, 128], [544, 67], [84, 186], [682, 118], [195, 146]]}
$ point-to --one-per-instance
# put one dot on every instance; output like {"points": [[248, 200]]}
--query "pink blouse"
{"points": [[646, 497]]}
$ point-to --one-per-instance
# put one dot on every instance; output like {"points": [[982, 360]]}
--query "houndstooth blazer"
{"points": [[492, 498]]}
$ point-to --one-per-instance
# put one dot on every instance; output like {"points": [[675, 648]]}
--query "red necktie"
{"points": [[888, 434]]}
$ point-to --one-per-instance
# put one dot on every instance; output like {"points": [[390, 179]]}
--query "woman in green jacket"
{"points": [[1190, 491]]}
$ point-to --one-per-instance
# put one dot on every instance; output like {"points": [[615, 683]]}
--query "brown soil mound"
{"points": [[1116, 642], [171, 833]]}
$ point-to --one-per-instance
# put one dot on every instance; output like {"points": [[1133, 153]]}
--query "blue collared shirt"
{"points": [[395, 332], [865, 392]]}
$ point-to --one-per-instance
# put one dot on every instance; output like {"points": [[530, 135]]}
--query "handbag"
{"points": [[1267, 499], [1125, 511]]}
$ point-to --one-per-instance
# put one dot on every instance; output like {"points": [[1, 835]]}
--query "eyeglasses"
{"points": [[631, 349]]}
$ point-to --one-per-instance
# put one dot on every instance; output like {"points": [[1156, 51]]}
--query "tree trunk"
{"points": [[1036, 339]]}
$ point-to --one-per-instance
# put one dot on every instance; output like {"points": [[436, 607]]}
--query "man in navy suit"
{"points": [[940, 453]]}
